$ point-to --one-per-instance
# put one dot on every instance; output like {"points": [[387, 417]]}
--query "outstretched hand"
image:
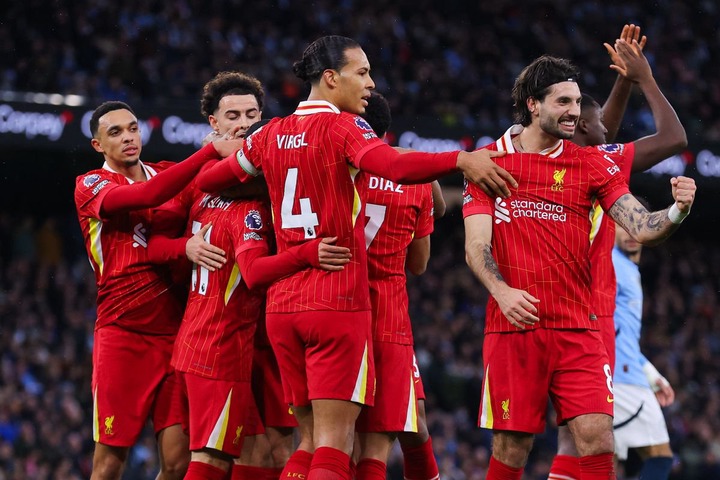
{"points": [[630, 33], [635, 66], [479, 168]]}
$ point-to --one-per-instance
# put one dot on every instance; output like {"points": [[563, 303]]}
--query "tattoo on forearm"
{"points": [[489, 263], [631, 215]]}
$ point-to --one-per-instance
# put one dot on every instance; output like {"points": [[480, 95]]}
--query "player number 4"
{"points": [[306, 219]]}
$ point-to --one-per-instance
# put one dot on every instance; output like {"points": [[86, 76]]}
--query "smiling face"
{"points": [[235, 110], [557, 114], [353, 82], [118, 139]]}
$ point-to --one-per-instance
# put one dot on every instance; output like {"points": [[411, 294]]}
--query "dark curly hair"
{"points": [[229, 83], [377, 114], [535, 81], [324, 53]]}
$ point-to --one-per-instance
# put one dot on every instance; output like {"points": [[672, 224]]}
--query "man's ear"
{"points": [[531, 104], [213, 122], [330, 77], [582, 126], [96, 145]]}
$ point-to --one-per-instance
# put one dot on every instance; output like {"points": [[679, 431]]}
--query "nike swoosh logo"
{"points": [[610, 399]]}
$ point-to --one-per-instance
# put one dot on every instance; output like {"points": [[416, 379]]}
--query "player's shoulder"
{"points": [[255, 214], [93, 178], [613, 149], [354, 122]]}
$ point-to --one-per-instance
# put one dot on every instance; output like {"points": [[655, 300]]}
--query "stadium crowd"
{"points": [[47, 312], [455, 60]]}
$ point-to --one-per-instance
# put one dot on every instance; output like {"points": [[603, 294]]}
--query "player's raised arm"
{"points": [[517, 305], [616, 103], [670, 137], [652, 228]]}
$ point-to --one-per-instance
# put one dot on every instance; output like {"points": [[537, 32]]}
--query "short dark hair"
{"points": [[588, 102], [377, 114], [104, 108], [324, 53], [535, 81], [229, 83]]}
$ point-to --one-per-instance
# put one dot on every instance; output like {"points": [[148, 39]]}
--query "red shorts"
{"points": [[130, 383], [324, 355], [419, 387], [607, 332], [218, 412], [523, 368], [268, 391], [395, 407]]}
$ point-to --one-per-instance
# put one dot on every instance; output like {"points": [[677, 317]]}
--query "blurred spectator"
{"points": [[452, 60]]}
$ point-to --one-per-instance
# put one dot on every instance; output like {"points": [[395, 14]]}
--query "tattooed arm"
{"points": [[652, 228], [517, 305]]}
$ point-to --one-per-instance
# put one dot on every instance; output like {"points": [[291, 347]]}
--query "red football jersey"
{"points": [[117, 250], [395, 215], [602, 236], [216, 335], [540, 234], [309, 159]]}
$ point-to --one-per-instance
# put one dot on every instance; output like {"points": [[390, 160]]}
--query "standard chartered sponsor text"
{"points": [[540, 210]]}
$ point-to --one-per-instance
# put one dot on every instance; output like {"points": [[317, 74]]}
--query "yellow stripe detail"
{"points": [[96, 242], [96, 417], [596, 218], [217, 436], [360, 390], [357, 203], [233, 282], [411, 424], [487, 413]]}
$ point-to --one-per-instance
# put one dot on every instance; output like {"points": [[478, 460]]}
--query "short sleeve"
{"points": [[354, 135], [90, 190], [475, 201]]}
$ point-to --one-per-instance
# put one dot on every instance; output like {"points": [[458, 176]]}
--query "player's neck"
{"points": [[130, 170], [322, 94], [534, 140]]}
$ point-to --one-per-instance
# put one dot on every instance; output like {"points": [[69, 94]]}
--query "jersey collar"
{"points": [[504, 143], [149, 171], [310, 107]]}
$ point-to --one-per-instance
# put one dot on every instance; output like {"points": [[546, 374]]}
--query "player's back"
{"points": [[221, 313], [314, 193], [395, 215]]}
